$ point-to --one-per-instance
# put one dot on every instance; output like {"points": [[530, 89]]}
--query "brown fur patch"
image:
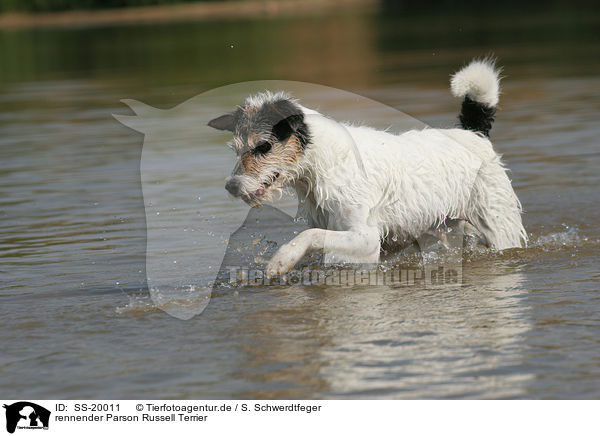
{"points": [[283, 154], [294, 148], [249, 163]]}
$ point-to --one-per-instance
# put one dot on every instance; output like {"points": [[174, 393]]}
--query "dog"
{"points": [[360, 187]]}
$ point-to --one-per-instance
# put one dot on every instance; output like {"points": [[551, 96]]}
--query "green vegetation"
{"points": [[64, 5]]}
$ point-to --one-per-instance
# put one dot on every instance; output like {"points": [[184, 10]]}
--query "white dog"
{"points": [[362, 187]]}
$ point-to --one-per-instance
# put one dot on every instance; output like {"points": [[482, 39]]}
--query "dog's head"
{"points": [[269, 136]]}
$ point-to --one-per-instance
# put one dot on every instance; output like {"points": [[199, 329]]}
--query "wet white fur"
{"points": [[361, 185], [479, 80]]}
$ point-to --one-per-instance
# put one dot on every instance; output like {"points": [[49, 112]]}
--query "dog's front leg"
{"points": [[357, 246]]}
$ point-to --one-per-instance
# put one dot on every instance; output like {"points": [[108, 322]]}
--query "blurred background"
{"points": [[357, 44], [72, 222]]}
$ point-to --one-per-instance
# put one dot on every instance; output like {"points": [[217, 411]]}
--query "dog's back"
{"points": [[419, 178], [414, 180]]}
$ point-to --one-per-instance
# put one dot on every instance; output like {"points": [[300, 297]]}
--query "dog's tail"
{"points": [[479, 84]]}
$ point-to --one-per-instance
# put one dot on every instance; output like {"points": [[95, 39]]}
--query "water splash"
{"points": [[181, 302], [138, 304], [570, 237]]}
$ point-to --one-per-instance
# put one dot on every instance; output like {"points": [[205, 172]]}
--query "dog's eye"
{"points": [[263, 147]]}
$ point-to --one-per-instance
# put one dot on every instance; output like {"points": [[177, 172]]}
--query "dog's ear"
{"points": [[224, 122], [284, 128], [294, 124], [289, 120]]}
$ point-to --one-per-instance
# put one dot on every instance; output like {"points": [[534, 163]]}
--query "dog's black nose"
{"points": [[234, 186]]}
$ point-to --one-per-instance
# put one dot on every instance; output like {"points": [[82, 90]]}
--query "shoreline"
{"points": [[201, 11]]}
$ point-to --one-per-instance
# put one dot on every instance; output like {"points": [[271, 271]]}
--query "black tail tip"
{"points": [[476, 116]]}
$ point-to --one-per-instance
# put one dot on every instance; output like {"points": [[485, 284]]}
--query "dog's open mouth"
{"points": [[255, 196]]}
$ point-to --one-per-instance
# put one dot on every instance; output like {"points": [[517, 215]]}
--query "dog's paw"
{"points": [[284, 260], [274, 269]]}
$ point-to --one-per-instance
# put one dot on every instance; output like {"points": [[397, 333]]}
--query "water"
{"points": [[74, 300]]}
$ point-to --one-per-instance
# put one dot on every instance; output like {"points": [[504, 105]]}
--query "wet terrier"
{"points": [[360, 187]]}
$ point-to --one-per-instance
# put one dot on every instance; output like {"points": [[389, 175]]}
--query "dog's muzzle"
{"points": [[234, 186]]}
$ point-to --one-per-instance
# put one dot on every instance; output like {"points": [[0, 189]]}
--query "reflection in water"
{"points": [[412, 342]]}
